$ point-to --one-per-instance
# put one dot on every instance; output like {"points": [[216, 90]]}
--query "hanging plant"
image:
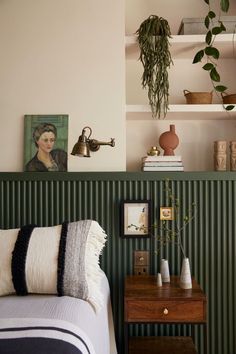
{"points": [[210, 52], [153, 39]]}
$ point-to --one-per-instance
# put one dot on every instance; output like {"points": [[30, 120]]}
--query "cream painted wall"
{"points": [[67, 56], [63, 56], [196, 136]]}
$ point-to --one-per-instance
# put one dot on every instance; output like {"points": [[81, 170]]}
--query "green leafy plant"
{"points": [[210, 52], [172, 231], [153, 39]]}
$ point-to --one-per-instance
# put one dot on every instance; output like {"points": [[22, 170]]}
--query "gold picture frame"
{"points": [[166, 213]]}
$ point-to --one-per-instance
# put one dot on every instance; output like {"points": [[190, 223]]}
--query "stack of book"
{"points": [[162, 163]]}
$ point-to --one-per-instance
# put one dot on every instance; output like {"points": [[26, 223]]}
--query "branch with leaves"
{"points": [[174, 232], [171, 231], [210, 52]]}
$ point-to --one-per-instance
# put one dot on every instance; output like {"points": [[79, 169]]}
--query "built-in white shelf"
{"points": [[186, 46], [183, 112]]}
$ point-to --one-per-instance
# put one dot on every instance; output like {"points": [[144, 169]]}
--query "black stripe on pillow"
{"points": [[19, 258], [61, 258]]}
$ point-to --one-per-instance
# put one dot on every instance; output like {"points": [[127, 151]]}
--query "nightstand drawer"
{"points": [[165, 311]]}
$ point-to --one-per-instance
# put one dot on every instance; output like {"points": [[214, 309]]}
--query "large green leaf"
{"points": [[208, 66], [220, 88], [207, 22], [214, 75], [222, 26], [216, 30], [212, 51], [208, 37], [224, 5], [229, 108], [211, 14], [198, 57]]}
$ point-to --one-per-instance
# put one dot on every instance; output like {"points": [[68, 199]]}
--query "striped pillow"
{"points": [[62, 259]]}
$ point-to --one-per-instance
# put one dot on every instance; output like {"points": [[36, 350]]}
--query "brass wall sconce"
{"points": [[84, 144]]}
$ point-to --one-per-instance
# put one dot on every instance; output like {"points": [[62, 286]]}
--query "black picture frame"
{"points": [[135, 218]]}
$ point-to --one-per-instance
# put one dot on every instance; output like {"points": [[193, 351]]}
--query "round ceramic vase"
{"points": [[169, 141]]}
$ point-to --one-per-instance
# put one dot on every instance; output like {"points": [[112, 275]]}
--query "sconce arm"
{"points": [[94, 145]]}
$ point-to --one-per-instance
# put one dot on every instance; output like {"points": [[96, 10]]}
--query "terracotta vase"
{"points": [[169, 141]]}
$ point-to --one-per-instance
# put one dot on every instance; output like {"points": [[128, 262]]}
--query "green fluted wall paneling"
{"points": [[49, 199]]}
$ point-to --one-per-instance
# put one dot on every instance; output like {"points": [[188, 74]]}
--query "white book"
{"points": [[162, 163], [162, 168], [162, 158]]}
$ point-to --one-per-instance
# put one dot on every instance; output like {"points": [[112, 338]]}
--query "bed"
{"points": [[48, 324]]}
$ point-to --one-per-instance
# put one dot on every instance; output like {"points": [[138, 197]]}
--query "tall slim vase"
{"points": [[185, 276]]}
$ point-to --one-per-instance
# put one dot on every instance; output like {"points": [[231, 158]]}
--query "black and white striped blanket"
{"points": [[42, 336]]}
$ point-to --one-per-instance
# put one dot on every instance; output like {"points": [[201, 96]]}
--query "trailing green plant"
{"points": [[210, 52], [153, 39], [171, 231]]}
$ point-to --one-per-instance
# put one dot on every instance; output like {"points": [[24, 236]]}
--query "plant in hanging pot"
{"points": [[153, 39], [212, 54]]}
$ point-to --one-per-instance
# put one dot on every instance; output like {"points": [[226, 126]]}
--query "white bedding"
{"points": [[98, 327]]}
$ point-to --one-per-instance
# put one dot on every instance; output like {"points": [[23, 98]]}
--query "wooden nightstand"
{"points": [[146, 303]]}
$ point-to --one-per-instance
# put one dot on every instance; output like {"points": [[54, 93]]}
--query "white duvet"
{"points": [[98, 327]]}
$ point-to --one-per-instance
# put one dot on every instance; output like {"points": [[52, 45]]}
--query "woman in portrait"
{"points": [[47, 158]]}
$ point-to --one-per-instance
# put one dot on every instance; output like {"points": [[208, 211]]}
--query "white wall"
{"points": [[67, 56], [63, 56], [196, 136]]}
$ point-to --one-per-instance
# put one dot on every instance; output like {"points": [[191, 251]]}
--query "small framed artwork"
{"points": [[166, 213], [135, 218], [45, 143]]}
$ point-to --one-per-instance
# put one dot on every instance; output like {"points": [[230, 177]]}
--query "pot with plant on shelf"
{"points": [[153, 39], [211, 54]]}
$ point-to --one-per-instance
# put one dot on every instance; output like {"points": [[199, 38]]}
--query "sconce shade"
{"points": [[81, 149]]}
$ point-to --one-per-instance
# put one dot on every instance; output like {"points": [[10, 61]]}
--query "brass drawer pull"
{"points": [[165, 311]]}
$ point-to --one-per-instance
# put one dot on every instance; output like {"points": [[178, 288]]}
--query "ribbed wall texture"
{"points": [[210, 240]]}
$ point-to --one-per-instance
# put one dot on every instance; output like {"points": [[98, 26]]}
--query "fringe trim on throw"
{"points": [[95, 243]]}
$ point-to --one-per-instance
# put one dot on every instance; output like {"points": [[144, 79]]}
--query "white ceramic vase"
{"points": [[159, 280], [185, 276], [165, 274]]}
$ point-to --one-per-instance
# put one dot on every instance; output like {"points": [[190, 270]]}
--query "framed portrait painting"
{"points": [[135, 218], [45, 143]]}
